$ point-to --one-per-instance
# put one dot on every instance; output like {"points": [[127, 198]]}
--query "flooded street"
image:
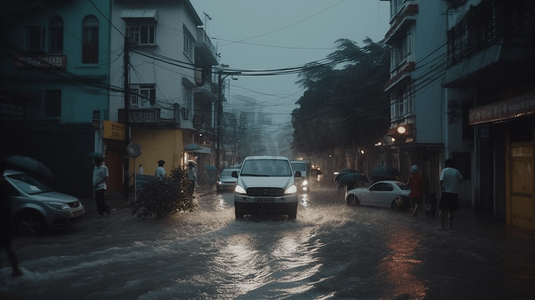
{"points": [[332, 251]]}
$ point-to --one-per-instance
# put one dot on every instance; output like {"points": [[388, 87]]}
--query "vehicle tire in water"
{"points": [[352, 200], [397, 204], [29, 223], [238, 211], [292, 215]]}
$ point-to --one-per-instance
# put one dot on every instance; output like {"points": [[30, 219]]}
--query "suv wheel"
{"points": [[238, 211]]}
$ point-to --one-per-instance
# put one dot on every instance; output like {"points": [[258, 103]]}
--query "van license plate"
{"points": [[265, 200]]}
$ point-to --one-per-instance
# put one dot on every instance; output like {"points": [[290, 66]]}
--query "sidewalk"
{"points": [[116, 201]]}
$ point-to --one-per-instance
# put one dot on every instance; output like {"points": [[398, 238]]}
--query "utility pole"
{"points": [[219, 106], [220, 110], [126, 161]]}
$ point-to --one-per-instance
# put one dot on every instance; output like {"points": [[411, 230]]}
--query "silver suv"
{"points": [[266, 185]]}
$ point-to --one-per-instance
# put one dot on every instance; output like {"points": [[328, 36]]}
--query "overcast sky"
{"points": [[275, 34]]}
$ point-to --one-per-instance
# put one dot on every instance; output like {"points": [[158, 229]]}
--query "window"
{"points": [[188, 46], [142, 33], [188, 98], [56, 35], [90, 40], [35, 38], [52, 103], [143, 95], [400, 53]]}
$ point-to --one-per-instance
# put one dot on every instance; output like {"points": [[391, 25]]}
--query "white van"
{"points": [[266, 185]]}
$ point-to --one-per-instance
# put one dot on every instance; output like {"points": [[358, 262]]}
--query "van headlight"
{"points": [[239, 189], [291, 190]]}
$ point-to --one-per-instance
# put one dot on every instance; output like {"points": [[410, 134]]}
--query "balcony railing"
{"points": [[205, 46]]}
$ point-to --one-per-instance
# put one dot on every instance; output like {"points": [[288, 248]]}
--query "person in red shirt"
{"points": [[416, 182]]}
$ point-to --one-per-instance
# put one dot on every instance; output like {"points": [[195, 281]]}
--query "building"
{"points": [[490, 67], [427, 124], [54, 87], [172, 101]]}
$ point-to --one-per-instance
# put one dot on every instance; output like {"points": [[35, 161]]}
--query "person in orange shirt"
{"points": [[416, 182]]}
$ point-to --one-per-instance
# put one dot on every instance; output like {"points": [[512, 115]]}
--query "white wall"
{"points": [[169, 39]]}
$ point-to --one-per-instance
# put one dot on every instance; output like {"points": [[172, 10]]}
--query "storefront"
{"points": [[505, 158]]}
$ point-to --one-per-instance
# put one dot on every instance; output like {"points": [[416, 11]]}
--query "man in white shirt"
{"points": [[160, 171], [450, 180], [100, 177]]}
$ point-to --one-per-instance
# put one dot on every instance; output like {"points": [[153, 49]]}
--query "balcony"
{"points": [[149, 118], [401, 22], [205, 48], [403, 75]]}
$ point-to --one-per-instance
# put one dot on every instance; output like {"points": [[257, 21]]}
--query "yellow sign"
{"points": [[113, 130]]}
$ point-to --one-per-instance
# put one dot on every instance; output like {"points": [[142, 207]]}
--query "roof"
{"points": [[273, 157]]}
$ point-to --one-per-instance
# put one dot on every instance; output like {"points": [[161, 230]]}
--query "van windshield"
{"points": [[266, 168]]}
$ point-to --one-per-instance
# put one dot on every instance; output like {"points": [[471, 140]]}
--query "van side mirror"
{"points": [[235, 174], [297, 174]]}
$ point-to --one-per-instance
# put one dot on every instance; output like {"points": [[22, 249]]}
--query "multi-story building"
{"points": [[54, 91], [426, 121], [172, 99], [490, 73]]}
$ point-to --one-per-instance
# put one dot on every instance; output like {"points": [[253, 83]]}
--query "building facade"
{"points": [[491, 65], [426, 121], [172, 97], [54, 90]]}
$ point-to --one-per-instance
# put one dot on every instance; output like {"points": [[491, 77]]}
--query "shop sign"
{"points": [[41, 61], [503, 110], [113, 130]]}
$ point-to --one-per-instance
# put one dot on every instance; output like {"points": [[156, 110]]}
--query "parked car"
{"points": [[303, 183], [35, 208], [266, 185], [226, 181], [394, 194]]}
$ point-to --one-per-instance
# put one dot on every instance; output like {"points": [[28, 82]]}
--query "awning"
{"points": [[139, 14], [469, 67]]}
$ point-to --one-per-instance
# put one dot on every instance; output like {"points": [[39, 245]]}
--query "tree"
{"points": [[344, 103], [163, 197]]}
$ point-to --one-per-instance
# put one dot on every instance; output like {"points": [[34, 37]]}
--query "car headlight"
{"points": [[57, 205], [291, 190], [239, 189], [219, 182]]}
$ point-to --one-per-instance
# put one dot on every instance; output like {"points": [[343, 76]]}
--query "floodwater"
{"points": [[331, 251]]}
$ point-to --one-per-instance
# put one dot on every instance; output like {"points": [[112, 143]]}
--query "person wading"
{"points": [[100, 177], [416, 182], [450, 181]]}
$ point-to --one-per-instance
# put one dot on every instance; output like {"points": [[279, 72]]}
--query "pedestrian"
{"points": [[450, 180], [5, 222], [141, 169], [192, 176], [100, 178], [160, 171], [416, 183]]}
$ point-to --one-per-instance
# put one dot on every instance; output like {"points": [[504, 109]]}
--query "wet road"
{"points": [[331, 251]]}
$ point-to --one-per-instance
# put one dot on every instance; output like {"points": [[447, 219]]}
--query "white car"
{"points": [[35, 208], [393, 194], [226, 181], [266, 185]]}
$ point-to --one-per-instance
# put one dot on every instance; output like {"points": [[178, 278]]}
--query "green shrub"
{"points": [[163, 197]]}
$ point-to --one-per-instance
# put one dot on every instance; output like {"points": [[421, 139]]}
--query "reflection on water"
{"points": [[396, 269]]}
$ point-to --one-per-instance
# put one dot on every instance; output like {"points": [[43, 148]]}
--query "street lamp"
{"points": [[222, 75]]}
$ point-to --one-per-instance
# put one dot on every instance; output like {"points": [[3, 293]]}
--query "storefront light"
{"points": [[401, 130]]}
